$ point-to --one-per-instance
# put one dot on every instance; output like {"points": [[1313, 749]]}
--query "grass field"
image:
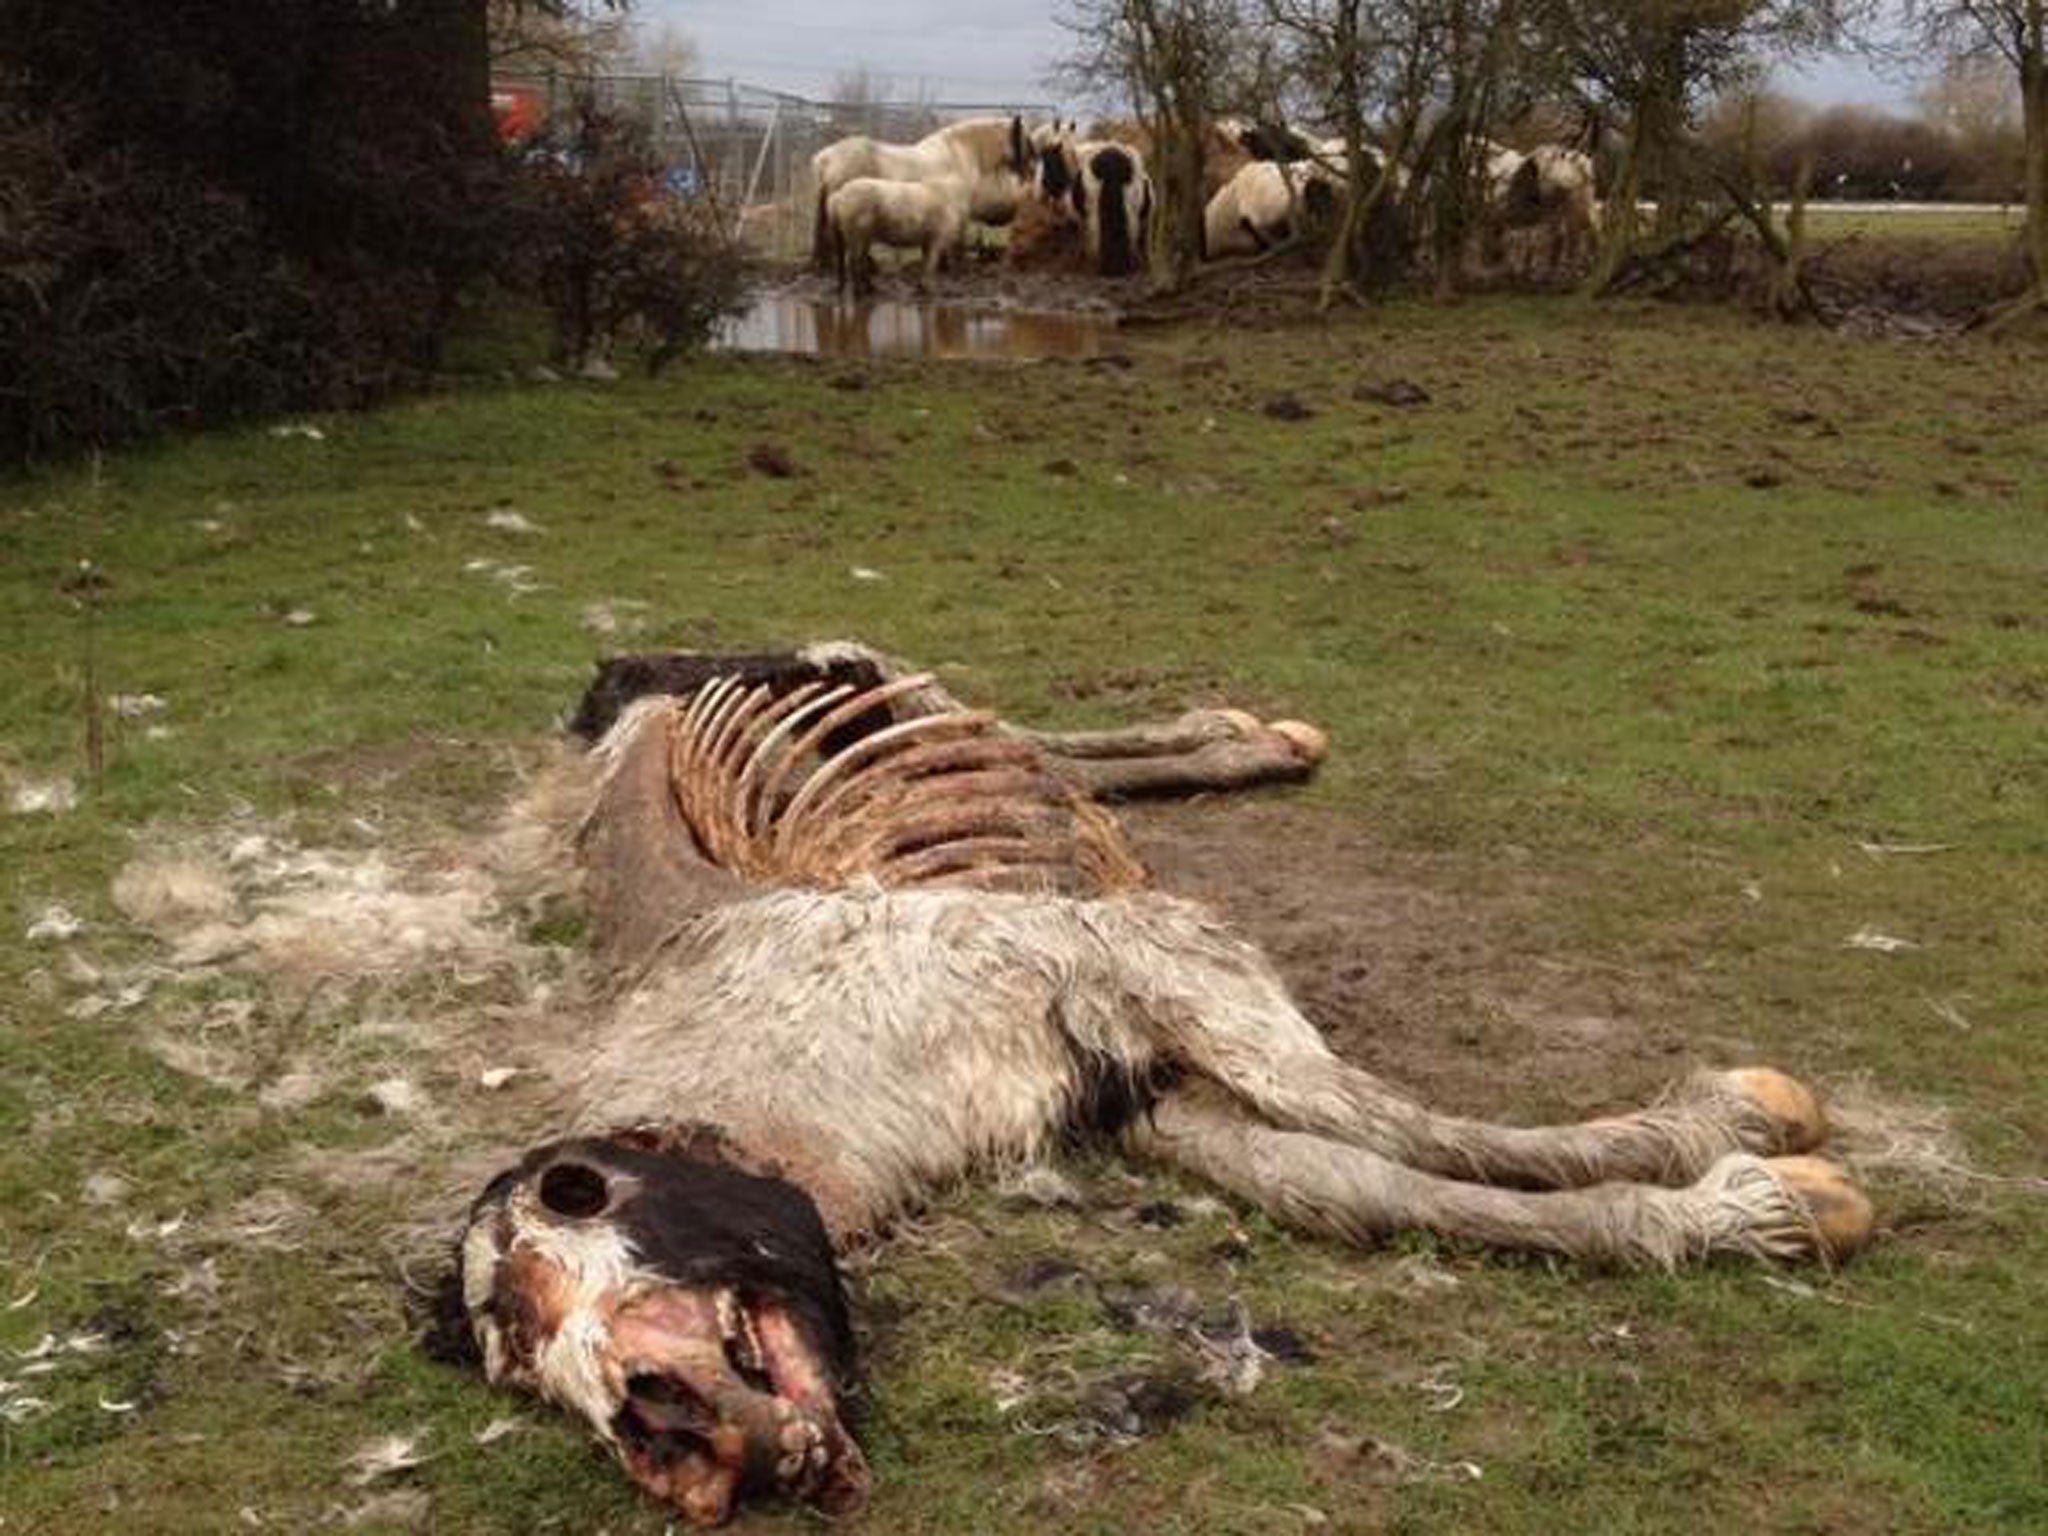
{"points": [[1644, 643], [1929, 222]]}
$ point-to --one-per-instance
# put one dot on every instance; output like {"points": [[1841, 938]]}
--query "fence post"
{"points": [[760, 162], [697, 156]]}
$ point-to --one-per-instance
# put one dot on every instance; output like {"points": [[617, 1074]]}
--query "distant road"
{"points": [[1820, 205], [2010, 211], [1825, 205]]}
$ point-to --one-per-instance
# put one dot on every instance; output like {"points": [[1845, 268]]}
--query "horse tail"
{"points": [[1523, 203], [1145, 219], [1113, 170]]}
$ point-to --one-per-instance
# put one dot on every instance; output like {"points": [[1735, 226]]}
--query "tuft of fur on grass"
{"points": [[271, 1218], [1907, 1144], [172, 890], [41, 797], [530, 855], [386, 1456], [315, 914]]}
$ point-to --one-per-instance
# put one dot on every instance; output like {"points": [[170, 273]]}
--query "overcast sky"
{"points": [[985, 51]]}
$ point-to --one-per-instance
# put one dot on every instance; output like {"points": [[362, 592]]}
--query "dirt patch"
{"points": [[1874, 283], [1406, 978], [1901, 286]]}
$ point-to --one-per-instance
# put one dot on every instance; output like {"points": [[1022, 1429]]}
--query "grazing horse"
{"points": [[1105, 184], [1264, 203], [929, 216], [1234, 142], [1543, 209], [1228, 145], [869, 941], [991, 155]]}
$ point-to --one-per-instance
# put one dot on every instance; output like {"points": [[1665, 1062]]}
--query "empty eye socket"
{"points": [[574, 1189]]}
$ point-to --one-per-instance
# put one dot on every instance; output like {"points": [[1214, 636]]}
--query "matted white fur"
{"points": [[598, 1265], [303, 915]]}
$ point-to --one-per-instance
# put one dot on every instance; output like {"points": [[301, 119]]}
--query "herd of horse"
{"points": [[1092, 196]]}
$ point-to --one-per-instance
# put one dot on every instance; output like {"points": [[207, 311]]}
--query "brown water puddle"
{"points": [[780, 322]]}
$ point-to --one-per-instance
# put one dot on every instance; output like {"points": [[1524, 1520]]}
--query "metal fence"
{"points": [[744, 149]]}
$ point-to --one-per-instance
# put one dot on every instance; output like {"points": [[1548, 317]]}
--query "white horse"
{"points": [[928, 216], [991, 155], [1263, 204]]}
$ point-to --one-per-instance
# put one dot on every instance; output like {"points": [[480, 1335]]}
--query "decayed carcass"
{"points": [[867, 941]]}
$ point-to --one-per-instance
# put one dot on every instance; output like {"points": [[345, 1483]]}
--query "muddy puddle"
{"points": [[781, 322]]}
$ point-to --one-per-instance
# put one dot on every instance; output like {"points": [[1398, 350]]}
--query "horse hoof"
{"points": [[1842, 1214], [1309, 744], [1792, 1106]]}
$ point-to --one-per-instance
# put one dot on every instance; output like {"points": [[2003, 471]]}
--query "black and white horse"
{"points": [[1105, 184]]}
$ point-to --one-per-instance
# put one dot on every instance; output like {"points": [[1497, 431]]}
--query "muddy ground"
{"points": [[1882, 283], [1409, 982]]}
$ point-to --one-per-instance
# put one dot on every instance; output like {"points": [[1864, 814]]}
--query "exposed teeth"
{"points": [[738, 1327], [797, 1437]]}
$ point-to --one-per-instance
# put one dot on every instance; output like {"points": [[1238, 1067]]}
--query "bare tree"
{"points": [[1336, 48], [2017, 32], [660, 50], [863, 101], [533, 39], [1652, 66]]}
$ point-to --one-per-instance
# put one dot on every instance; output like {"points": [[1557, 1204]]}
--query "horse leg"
{"points": [[1785, 1209], [1211, 1003], [1203, 749]]}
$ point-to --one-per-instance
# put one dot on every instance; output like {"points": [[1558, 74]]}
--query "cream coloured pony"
{"points": [[928, 216], [992, 156]]}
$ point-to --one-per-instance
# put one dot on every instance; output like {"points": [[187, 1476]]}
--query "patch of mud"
{"points": [[1404, 978], [1412, 983], [1911, 288]]}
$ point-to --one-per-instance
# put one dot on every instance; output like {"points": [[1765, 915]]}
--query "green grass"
{"points": [[1648, 618], [1968, 226]]}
